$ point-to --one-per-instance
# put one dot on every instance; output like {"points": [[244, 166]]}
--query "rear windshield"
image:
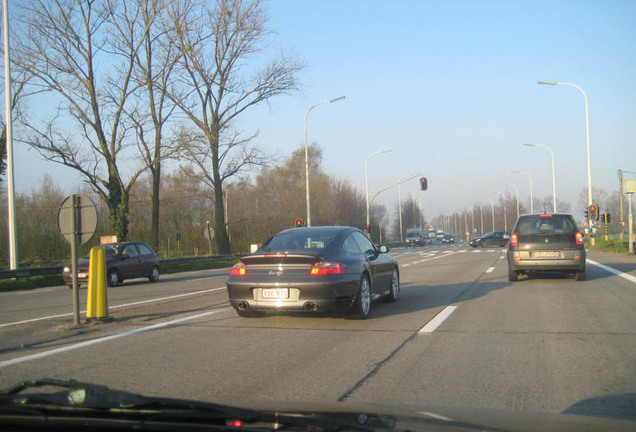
{"points": [[545, 225], [301, 240]]}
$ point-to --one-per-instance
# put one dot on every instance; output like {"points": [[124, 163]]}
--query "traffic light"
{"points": [[423, 183], [300, 223], [594, 213], [607, 218]]}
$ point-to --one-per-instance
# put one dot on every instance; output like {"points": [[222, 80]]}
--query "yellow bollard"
{"points": [[97, 298]]}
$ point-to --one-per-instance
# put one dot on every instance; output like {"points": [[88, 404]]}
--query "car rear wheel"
{"points": [[362, 304], [154, 274], [113, 278], [394, 291], [580, 276], [513, 276]]}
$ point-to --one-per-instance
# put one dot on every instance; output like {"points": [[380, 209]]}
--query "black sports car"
{"points": [[314, 269]]}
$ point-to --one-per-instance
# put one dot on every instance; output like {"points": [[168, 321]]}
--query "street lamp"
{"points": [[307, 153], [366, 180], [531, 196], [587, 129], [517, 191], [492, 211], [554, 208]]}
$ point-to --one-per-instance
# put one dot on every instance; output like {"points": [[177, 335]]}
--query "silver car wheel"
{"points": [[154, 274], [113, 278], [394, 292], [363, 299]]}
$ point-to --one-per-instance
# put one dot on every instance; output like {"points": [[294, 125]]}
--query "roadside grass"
{"points": [[56, 280], [615, 245]]}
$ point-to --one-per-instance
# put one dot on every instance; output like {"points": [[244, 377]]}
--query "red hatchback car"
{"points": [[124, 260]]}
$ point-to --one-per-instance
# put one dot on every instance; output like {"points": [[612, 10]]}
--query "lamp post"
{"points": [[366, 180], [13, 231], [554, 208], [492, 211], [307, 154], [531, 196], [517, 191], [587, 129]]}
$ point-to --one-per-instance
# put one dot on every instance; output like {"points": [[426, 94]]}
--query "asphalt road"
{"points": [[461, 335]]}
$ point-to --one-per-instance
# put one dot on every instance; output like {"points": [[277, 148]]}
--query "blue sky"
{"points": [[451, 87]]}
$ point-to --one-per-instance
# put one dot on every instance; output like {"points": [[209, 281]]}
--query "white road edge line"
{"points": [[613, 270], [105, 339], [113, 307], [490, 270], [438, 320]]}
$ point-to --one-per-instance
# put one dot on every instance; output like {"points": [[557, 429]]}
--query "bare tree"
{"points": [[80, 58], [217, 44], [151, 109]]}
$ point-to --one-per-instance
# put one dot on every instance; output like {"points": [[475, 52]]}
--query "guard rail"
{"points": [[46, 271]]}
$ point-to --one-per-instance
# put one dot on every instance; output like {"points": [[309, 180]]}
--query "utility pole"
{"points": [[620, 201]]}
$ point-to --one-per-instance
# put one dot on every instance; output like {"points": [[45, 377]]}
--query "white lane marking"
{"points": [[613, 270], [490, 270], [476, 251], [105, 339], [113, 307], [462, 251], [438, 320], [435, 416], [502, 257]]}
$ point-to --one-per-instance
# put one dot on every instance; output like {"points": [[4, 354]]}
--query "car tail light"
{"points": [[579, 239], [238, 269], [514, 239], [323, 268]]}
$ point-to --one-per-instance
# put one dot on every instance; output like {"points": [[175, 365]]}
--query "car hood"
{"points": [[26, 403]]}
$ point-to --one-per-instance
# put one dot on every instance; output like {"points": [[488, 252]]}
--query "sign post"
{"points": [[76, 222]]}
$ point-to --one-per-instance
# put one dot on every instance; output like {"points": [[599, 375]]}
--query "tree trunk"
{"points": [[156, 182]]}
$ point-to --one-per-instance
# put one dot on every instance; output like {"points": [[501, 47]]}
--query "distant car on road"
{"points": [[448, 238], [414, 237], [314, 269], [492, 238], [124, 260], [546, 242]]}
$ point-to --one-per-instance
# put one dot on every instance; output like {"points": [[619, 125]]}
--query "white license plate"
{"points": [[275, 293], [550, 254], [82, 275]]}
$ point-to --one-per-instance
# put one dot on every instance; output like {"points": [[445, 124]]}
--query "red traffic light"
{"points": [[299, 223], [423, 183]]}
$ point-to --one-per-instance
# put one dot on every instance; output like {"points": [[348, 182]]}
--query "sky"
{"points": [[451, 87]]}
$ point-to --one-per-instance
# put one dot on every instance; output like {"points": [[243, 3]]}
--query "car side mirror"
{"points": [[384, 249], [125, 256]]}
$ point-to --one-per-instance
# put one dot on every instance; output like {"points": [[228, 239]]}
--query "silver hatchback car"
{"points": [[546, 242]]}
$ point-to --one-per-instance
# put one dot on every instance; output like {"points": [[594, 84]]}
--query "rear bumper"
{"points": [[334, 295], [517, 264]]}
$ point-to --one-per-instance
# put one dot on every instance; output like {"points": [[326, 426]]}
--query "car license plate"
{"points": [[550, 254], [275, 293], [82, 275]]}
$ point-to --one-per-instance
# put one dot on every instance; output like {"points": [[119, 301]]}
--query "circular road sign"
{"points": [[77, 217]]}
